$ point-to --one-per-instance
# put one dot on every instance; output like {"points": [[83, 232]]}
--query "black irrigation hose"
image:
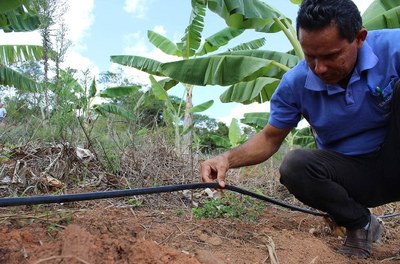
{"points": [[65, 198], [14, 201]]}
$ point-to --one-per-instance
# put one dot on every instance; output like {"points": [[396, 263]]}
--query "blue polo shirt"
{"points": [[351, 121]]}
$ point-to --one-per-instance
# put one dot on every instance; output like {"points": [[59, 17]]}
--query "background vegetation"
{"points": [[70, 129]]}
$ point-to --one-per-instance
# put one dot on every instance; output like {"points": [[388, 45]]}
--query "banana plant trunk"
{"points": [[187, 123]]}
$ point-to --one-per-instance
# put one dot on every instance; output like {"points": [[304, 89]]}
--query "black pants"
{"points": [[345, 186]]}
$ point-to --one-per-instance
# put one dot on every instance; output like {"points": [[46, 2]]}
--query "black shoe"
{"points": [[358, 242]]}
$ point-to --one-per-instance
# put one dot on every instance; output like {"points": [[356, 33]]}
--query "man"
{"points": [[346, 89], [3, 112]]}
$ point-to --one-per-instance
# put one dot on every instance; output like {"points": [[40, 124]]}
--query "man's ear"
{"points": [[361, 36]]}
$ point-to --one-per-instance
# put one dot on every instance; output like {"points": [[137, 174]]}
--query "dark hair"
{"points": [[318, 14]]}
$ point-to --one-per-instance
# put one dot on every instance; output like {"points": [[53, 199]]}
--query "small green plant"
{"points": [[230, 206], [53, 229], [135, 202], [57, 221], [179, 213], [6, 152]]}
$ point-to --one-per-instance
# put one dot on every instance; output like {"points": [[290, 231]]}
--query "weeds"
{"points": [[134, 202], [230, 206]]}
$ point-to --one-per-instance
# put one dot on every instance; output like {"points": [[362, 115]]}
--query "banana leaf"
{"points": [[218, 40], [163, 43], [15, 79], [382, 14], [216, 70], [259, 90], [141, 63], [246, 14], [115, 92], [201, 107], [257, 120]]}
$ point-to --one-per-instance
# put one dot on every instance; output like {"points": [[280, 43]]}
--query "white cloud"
{"points": [[75, 60], [79, 19], [160, 30], [136, 7], [239, 110], [362, 4], [134, 43]]}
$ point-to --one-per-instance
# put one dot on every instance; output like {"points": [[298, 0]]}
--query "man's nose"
{"points": [[320, 66]]}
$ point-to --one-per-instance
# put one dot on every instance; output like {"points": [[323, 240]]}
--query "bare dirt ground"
{"points": [[158, 228], [102, 234]]}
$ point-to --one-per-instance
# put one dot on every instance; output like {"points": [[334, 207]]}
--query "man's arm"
{"points": [[256, 150]]}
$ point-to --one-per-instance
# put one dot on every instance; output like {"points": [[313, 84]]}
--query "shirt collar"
{"points": [[366, 60]]}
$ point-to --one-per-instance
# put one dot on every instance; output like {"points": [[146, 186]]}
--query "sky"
{"points": [[99, 29]]}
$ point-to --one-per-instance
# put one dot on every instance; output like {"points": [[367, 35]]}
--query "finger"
{"points": [[206, 174], [221, 179]]}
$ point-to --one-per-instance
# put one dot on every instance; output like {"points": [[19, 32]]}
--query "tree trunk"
{"points": [[187, 123], [46, 47]]}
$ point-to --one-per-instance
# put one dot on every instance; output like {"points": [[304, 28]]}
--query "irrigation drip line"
{"points": [[65, 198]]}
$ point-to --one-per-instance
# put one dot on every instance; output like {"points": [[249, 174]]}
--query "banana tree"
{"points": [[172, 114], [254, 75], [189, 47], [75, 97], [18, 16]]}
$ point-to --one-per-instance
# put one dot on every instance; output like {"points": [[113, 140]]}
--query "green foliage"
{"points": [[190, 42], [382, 14], [5, 153], [65, 125], [257, 120], [119, 91], [234, 139], [296, 2], [297, 137], [163, 43], [104, 109], [221, 141], [218, 40], [18, 16], [201, 107], [173, 114], [235, 136], [230, 205], [300, 138], [10, 54], [134, 202], [141, 63], [13, 78], [213, 69], [206, 130]]}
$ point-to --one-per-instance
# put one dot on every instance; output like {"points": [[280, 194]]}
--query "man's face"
{"points": [[329, 56]]}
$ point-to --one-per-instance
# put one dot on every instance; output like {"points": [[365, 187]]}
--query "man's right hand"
{"points": [[215, 168]]}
